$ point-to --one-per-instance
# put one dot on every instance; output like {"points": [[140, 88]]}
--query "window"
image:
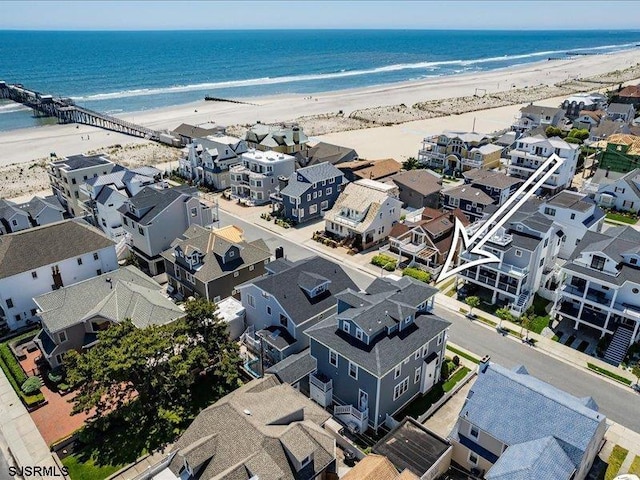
{"points": [[400, 388], [268, 310], [440, 338], [546, 242], [550, 211], [99, 272], [62, 336], [284, 321], [126, 222], [96, 256], [140, 231], [597, 262], [329, 190], [359, 334], [473, 431], [194, 212], [308, 197], [346, 327], [235, 274], [416, 375], [518, 253], [473, 458], [397, 372], [635, 290], [17, 317], [333, 358], [33, 312], [252, 268], [14, 223], [633, 261], [324, 205], [251, 301], [573, 216], [34, 274], [313, 209], [353, 370], [73, 180], [79, 261], [416, 356]]}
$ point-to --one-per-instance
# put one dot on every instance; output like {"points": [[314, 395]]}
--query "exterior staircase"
{"points": [[122, 248], [617, 349], [520, 305]]}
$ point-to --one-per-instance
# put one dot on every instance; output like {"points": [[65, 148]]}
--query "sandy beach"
{"points": [[379, 122]]}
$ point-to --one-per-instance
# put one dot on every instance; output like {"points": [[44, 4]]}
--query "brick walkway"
{"points": [[54, 420]]}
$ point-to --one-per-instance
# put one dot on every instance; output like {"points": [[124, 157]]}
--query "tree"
{"points": [[525, 322], [411, 163], [504, 314], [552, 131], [473, 302], [636, 372]]}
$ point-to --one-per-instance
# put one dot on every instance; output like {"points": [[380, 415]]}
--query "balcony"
{"points": [[503, 268], [505, 287], [351, 222], [352, 411], [630, 311], [573, 290], [598, 296], [321, 382]]}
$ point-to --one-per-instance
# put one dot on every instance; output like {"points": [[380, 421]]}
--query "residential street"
{"points": [[618, 403]]}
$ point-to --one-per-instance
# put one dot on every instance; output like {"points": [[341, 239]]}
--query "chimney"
{"points": [[108, 280], [484, 363], [282, 182], [296, 134]]}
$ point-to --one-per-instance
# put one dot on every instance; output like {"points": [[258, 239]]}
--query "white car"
{"points": [[627, 476]]}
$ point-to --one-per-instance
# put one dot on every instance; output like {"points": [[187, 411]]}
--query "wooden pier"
{"points": [[66, 111]]}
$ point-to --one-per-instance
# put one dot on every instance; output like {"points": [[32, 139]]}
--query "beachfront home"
{"points": [[531, 152], [459, 151], [282, 138], [153, 218], [308, 192], [528, 246], [102, 196], [37, 212], [73, 316], [470, 200], [425, 242], [622, 153], [418, 188], [629, 94], [623, 112], [365, 212], [496, 184], [263, 430], [382, 349], [211, 263], [256, 177], [588, 119], [600, 292], [42, 259], [208, 160], [325, 152], [282, 305], [606, 128], [622, 193], [67, 174], [514, 426], [534, 116], [581, 102], [369, 169], [577, 213], [187, 133]]}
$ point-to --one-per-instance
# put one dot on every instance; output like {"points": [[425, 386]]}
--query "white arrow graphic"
{"points": [[500, 217]]}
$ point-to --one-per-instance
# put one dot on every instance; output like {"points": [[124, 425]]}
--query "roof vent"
{"points": [[246, 411]]}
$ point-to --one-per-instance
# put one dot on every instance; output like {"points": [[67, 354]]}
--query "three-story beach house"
{"points": [[622, 193], [459, 151], [534, 116], [308, 192], [282, 138], [470, 200], [379, 351], [496, 184], [37, 212], [256, 177]]}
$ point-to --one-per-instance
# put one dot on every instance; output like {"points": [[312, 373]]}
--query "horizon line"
{"points": [[399, 29]]}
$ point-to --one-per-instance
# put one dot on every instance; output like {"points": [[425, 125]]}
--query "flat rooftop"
{"points": [[76, 162]]}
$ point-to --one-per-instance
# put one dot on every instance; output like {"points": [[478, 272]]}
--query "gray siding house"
{"points": [[308, 192], [379, 351], [15, 217]]}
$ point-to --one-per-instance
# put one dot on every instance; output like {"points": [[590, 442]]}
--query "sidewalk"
{"points": [[25, 443], [547, 345], [619, 435]]}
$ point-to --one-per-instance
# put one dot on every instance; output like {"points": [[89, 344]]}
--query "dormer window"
{"points": [[397, 371], [231, 253], [346, 327], [598, 262], [359, 334]]}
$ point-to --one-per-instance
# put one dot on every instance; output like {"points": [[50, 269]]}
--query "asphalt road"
{"points": [[619, 404]]}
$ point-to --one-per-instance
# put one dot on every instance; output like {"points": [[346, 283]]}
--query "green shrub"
{"points": [[54, 376], [29, 400], [390, 267], [12, 364], [381, 260], [417, 274], [604, 371], [31, 385]]}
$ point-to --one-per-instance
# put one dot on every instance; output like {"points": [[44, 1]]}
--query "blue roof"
{"points": [[537, 459], [514, 407], [312, 174]]}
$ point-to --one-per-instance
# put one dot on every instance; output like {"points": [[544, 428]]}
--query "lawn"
{"points": [[468, 356], [607, 373], [455, 378], [622, 218], [541, 320], [635, 466], [88, 470], [615, 462]]}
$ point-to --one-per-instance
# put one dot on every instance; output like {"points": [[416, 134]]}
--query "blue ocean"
{"points": [[130, 71]]}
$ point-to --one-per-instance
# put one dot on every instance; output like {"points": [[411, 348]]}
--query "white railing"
{"points": [[351, 410], [324, 386]]}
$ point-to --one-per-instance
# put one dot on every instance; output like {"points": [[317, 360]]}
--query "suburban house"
{"points": [[308, 192], [629, 94], [256, 177], [102, 196], [577, 213], [42, 259], [72, 316], [534, 116], [264, 429], [210, 263], [37, 212], [427, 241], [531, 152], [459, 151], [381, 350], [325, 152], [496, 184], [67, 174], [601, 286], [284, 138], [187, 133], [622, 153], [153, 218], [418, 188], [623, 112], [365, 212], [513, 425], [583, 102], [622, 194], [471, 200], [374, 169], [293, 297], [606, 128], [209, 159], [588, 119], [528, 246]]}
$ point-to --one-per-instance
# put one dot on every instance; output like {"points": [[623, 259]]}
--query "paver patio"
{"points": [[54, 420]]}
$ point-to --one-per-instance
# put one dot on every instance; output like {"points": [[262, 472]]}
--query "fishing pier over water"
{"points": [[66, 111]]}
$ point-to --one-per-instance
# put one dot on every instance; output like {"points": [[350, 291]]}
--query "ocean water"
{"points": [[130, 71]]}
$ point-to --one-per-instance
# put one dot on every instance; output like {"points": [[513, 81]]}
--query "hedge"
{"points": [[417, 274], [29, 400], [14, 367], [604, 371], [381, 260]]}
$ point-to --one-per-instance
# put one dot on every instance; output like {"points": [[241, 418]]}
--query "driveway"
{"points": [[443, 421]]}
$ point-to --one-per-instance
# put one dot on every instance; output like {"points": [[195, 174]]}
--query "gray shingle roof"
{"points": [[128, 294], [151, 201], [284, 287], [312, 174], [573, 200], [490, 178], [294, 367], [24, 251], [422, 181], [515, 408], [467, 192], [255, 429], [326, 152]]}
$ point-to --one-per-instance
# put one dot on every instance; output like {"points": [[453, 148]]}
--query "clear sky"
{"points": [[305, 14]]}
